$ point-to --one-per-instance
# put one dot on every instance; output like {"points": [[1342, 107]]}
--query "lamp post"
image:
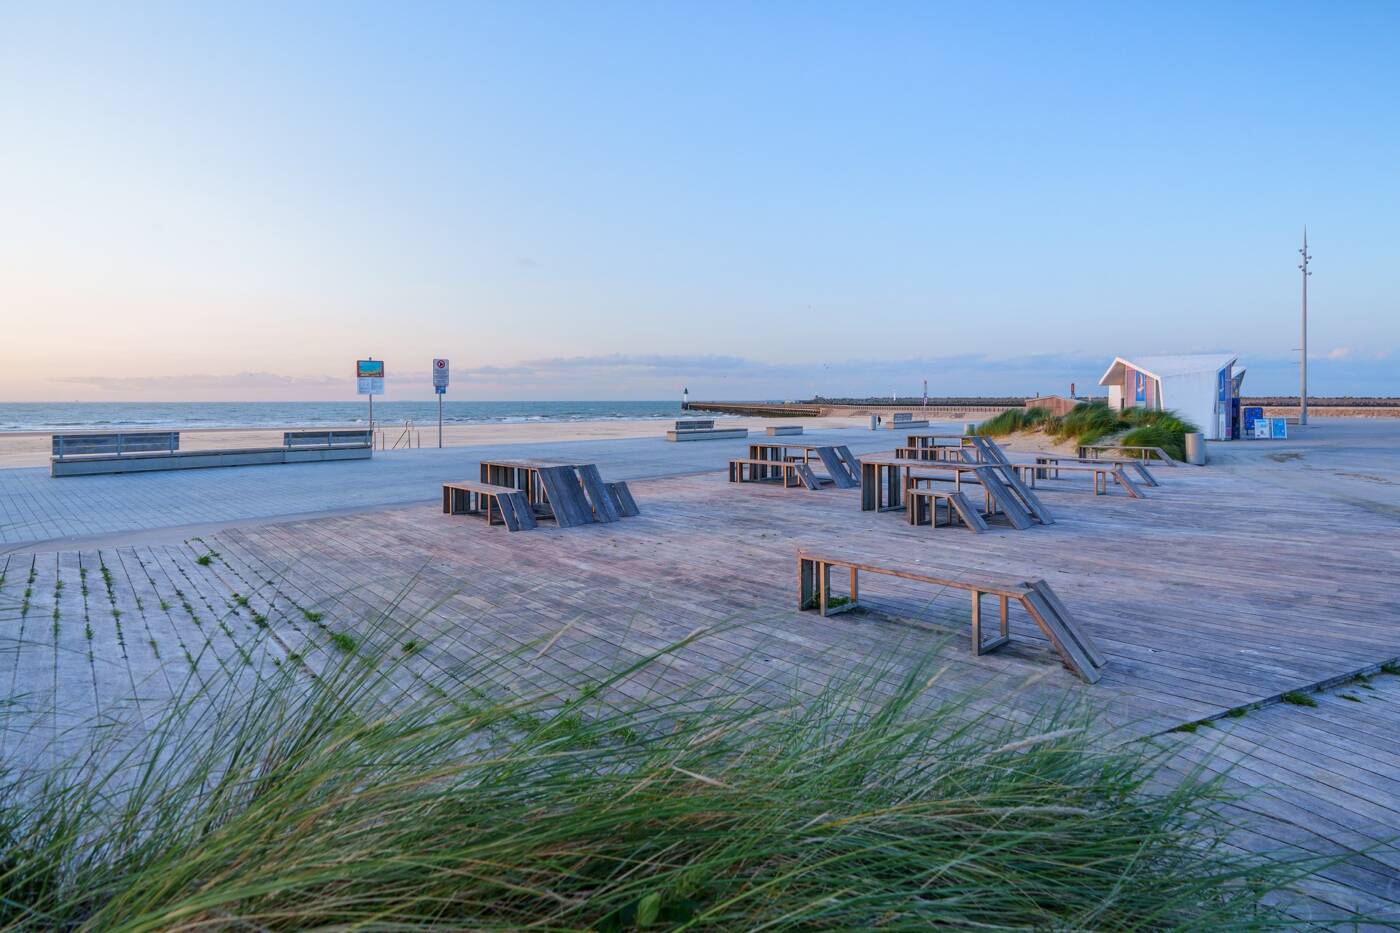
{"points": [[1303, 353]]}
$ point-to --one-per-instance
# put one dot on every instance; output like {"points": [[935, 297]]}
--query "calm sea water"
{"points": [[70, 416]]}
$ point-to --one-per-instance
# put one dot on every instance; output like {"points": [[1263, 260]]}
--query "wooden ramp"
{"points": [[565, 493], [851, 462], [991, 450], [1006, 500], [968, 512], [1074, 645], [840, 475], [516, 511], [809, 479], [1131, 488], [622, 499], [1000, 477], [1143, 473], [604, 509]]}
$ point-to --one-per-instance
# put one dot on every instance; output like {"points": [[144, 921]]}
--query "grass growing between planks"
{"points": [[353, 800]]}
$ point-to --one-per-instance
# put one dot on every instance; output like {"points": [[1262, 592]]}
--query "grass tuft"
{"points": [[358, 799], [343, 641], [1299, 699]]}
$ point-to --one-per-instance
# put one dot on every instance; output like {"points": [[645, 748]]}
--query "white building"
{"points": [[1201, 388]]}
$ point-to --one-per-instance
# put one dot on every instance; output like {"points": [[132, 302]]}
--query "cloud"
{"points": [[1340, 353], [202, 382]]}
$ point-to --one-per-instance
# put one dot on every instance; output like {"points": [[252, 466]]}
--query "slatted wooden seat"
{"points": [[1101, 473], [922, 503], [791, 473], [1092, 452], [502, 505], [1053, 462], [1076, 649]]}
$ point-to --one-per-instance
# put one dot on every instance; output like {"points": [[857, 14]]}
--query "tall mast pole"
{"points": [[1303, 353]]}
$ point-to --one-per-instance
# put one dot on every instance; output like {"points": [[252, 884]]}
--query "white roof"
{"points": [[1165, 367]]}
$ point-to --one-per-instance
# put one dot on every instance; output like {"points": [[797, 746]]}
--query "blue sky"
{"points": [[613, 200]]}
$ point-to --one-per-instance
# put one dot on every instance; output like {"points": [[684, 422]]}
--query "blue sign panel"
{"points": [[440, 390], [1278, 429], [1251, 415], [1139, 387]]}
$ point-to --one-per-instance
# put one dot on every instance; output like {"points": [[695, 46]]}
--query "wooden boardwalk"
{"points": [[1199, 610]]}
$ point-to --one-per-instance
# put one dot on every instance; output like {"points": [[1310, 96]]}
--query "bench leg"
{"points": [[980, 647], [806, 584]]}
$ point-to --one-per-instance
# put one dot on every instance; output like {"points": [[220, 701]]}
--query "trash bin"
{"points": [[874, 422], [970, 427], [1196, 449]]}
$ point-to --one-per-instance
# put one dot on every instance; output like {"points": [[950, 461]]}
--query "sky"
{"points": [[750, 200]]}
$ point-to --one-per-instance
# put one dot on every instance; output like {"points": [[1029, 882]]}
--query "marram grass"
{"points": [[354, 801], [1091, 422]]}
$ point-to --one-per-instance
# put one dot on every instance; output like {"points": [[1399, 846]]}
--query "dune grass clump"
{"points": [[350, 800], [1164, 429], [1013, 420], [1155, 436], [1089, 422]]}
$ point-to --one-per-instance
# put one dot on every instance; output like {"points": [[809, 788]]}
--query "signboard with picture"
{"points": [[369, 377]]}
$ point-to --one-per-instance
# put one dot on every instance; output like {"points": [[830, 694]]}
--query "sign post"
{"points": [[440, 387], [369, 380]]}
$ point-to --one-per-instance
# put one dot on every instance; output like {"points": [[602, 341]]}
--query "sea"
{"points": [[77, 416]]}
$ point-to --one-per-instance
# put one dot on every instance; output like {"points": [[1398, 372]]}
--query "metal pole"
{"points": [[1303, 358], [439, 420]]}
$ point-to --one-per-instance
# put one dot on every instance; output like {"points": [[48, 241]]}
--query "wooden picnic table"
{"points": [[523, 474], [837, 460], [947, 447], [884, 477]]}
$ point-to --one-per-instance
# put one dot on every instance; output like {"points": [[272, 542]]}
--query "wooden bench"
{"points": [[502, 505], [570, 493], [921, 507], [354, 438], [904, 420], [779, 430], [702, 429], [1052, 464], [1076, 649], [114, 444], [1101, 473], [157, 451], [792, 473], [1092, 451]]}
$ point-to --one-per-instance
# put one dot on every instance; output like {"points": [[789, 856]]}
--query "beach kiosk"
{"points": [[1202, 388]]}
